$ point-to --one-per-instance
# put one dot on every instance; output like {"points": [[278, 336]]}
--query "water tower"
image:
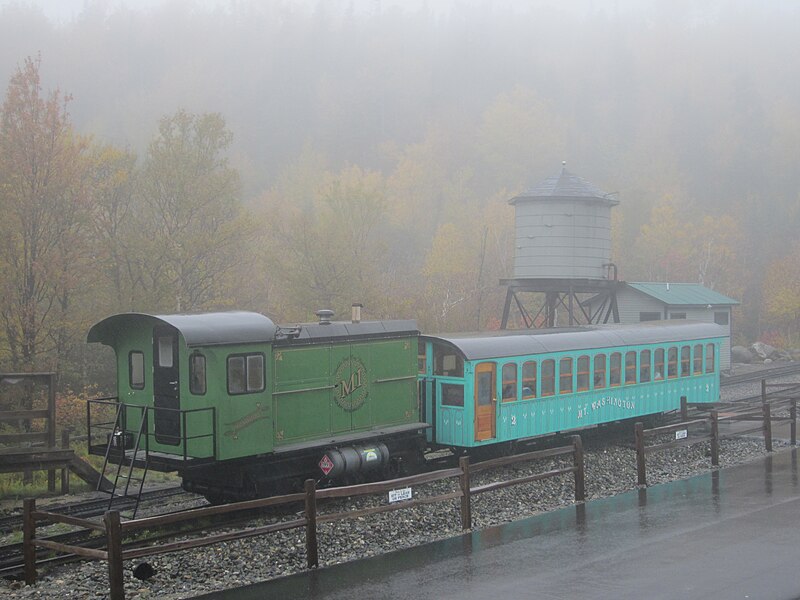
{"points": [[562, 255]]}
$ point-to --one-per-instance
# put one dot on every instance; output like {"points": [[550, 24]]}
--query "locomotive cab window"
{"points": [[136, 370], [197, 374], [509, 382], [245, 373], [421, 358]]}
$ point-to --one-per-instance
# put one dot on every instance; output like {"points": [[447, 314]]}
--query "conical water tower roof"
{"points": [[565, 185]]}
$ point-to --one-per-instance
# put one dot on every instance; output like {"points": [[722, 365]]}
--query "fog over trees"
{"points": [[283, 157]]}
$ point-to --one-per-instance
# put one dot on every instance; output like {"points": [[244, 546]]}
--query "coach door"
{"points": [[166, 387], [485, 401]]}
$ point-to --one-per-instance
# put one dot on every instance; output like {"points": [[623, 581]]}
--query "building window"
{"points": [[615, 364], [709, 358], [630, 367], [644, 366], [509, 382], [721, 318], [136, 370], [245, 373], [649, 316], [197, 374], [583, 373], [698, 359], [529, 380], [658, 359], [599, 371], [677, 315], [686, 361], [672, 363], [446, 363], [452, 394], [565, 376], [548, 377]]}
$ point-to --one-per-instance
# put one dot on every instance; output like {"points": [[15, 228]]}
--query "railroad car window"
{"points": [[698, 359], [165, 351], [548, 377], [197, 374], [446, 363], [659, 364], [721, 318], [452, 394], [672, 363], [644, 366], [245, 373], [599, 371], [615, 363], [136, 370], [686, 361], [709, 358], [630, 367], [529, 380], [649, 316], [565, 376], [509, 382], [583, 373], [421, 366]]}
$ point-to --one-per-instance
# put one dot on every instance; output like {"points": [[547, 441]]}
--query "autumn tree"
{"points": [[782, 294], [188, 229], [43, 251]]}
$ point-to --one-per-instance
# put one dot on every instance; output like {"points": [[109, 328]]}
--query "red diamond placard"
{"points": [[326, 464]]}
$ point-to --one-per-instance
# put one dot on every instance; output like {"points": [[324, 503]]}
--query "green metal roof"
{"points": [[682, 294]]}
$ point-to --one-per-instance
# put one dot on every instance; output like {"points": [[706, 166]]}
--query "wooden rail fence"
{"points": [[782, 397], [113, 528]]}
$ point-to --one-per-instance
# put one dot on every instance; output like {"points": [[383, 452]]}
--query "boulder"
{"points": [[740, 354], [763, 350]]}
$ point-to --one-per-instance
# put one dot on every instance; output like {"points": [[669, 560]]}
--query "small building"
{"points": [[654, 301]]}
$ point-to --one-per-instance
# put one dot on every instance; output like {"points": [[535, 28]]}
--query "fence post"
{"points": [[793, 423], [466, 499], [684, 409], [312, 555], [767, 426], [714, 438], [65, 470], [28, 535], [116, 579], [639, 442], [577, 459], [51, 426]]}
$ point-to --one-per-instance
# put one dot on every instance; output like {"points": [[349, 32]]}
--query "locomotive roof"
{"points": [[499, 344], [206, 329], [344, 330]]}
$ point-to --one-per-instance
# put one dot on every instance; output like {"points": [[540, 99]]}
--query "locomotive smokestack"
{"points": [[325, 315], [357, 312]]}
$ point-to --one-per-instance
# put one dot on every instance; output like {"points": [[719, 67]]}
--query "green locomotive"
{"points": [[240, 407]]}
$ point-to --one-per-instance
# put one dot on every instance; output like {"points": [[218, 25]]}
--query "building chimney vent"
{"points": [[357, 312], [325, 315]]}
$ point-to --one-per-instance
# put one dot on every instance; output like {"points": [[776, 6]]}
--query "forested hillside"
{"points": [[284, 158]]}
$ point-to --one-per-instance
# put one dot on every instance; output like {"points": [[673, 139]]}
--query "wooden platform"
{"points": [[15, 460]]}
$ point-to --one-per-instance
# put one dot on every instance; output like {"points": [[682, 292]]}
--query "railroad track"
{"points": [[775, 372]]}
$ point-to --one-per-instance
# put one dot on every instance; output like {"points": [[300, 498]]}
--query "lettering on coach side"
{"points": [[351, 380], [586, 408]]}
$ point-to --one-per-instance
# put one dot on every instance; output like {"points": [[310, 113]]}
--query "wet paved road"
{"points": [[725, 535]]}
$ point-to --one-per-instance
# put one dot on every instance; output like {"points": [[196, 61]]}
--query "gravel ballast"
{"points": [[610, 469]]}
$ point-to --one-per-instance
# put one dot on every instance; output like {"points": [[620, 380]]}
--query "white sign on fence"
{"points": [[682, 434], [398, 495]]}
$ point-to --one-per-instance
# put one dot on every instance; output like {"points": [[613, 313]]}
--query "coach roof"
{"points": [[500, 344]]}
